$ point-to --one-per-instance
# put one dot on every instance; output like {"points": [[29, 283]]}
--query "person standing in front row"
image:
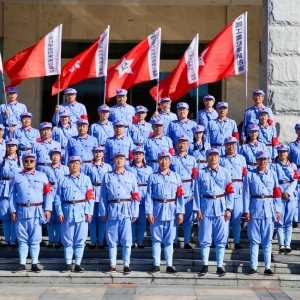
{"points": [[164, 207], [214, 198], [262, 207], [74, 204]]}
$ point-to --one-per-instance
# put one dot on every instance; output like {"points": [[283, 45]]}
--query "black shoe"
{"points": [[268, 272], [57, 245], [213, 246], [155, 269], [141, 246], [110, 270], [126, 270], [226, 247], [132, 246], [195, 224], [188, 246], [78, 269], [288, 249], [6, 244], [35, 268], [20, 268], [281, 249], [295, 225], [251, 272], [174, 246], [101, 246], [171, 270], [220, 271], [92, 246], [13, 245], [50, 245], [237, 246], [67, 268], [204, 270]]}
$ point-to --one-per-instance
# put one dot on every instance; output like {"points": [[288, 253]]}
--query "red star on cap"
{"points": [[253, 126], [261, 152], [163, 153], [230, 138], [282, 146], [72, 157], [181, 104], [182, 135], [45, 123], [222, 102], [141, 107], [138, 148], [158, 120], [54, 148], [198, 127], [118, 121], [10, 139], [212, 149]]}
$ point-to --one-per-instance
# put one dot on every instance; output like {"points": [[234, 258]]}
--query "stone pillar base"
{"points": [[285, 128]]}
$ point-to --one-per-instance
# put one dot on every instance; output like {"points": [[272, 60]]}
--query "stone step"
{"points": [[90, 277]]}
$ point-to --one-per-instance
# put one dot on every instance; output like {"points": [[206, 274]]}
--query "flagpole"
{"points": [[104, 96], [5, 97], [157, 92], [246, 84], [106, 60], [58, 89], [197, 92]]}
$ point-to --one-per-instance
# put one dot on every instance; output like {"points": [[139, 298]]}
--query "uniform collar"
{"points": [[261, 126], [168, 173], [255, 144], [57, 167], [186, 122], [72, 176], [164, 112], [9, 158], [119, 138], [185, 155], [259, 107], [142, 123], [216, 169], [297, 141], [158, 137], [24, 172], [118, 105], [209, 112], [86, 137], [68, 126], [101, 165], [42, 141], [122, 173], [287, 164], [225, 120], [234, 155], [29, 128], [2, 141], [13, 103], [142, 166], [103, 123], [73, 103], [265, 172]]}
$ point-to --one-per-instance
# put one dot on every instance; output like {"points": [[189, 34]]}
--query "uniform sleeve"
{"points": [[293, 185], [58, 200], [48, 195], [148, 198], [276, 194], [103, 198], [12, 196], [197, 194], [229, 191], [246, 194], [135, 202], [244, 128], [55, 118], [68, 152], [107, 152], [180, 206], [89, 204]]}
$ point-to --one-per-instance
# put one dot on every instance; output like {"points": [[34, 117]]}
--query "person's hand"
{"points": [[13, 217], [285, 196], [179, 219], [104, 218], [155, 114], [61, 218], [199, 216], [12, 129], [88, 218], [227, 215], [134, 219], [47, 215], [6, 112], [278, 216], [247, 217], [150, 218], [57, 109]]}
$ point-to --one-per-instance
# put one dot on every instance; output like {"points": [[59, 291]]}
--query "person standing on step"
{"points": [[236, 164], [288, 179], [164, 207], [30, 198], [74, 204], [207, 114], [142, 172], [214, 199], [96, 171], [119, 206], [2, 142], [185, 165], [262, 207]]}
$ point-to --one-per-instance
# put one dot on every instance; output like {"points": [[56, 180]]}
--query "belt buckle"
{"points": [[164, 200], [283, 181], [27, 204], [262, 196], [118, 200], [214, 197], [73, 202]]}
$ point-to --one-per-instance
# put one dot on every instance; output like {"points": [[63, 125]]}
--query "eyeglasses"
{"points": [[29, 160]]}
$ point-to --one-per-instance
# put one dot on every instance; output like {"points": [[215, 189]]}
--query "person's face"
{"points": [[258, 99], [222, 111], [46, 133], [164, 162], [55, 157], [11, 149], [213, 159], [141, 116], [230, 148], [198, 135], [98, 154], [263, 117], [118, 129], [26, 121], [11, 97], [103, 114], [166, 105], [253, 134], [1, 133], [182, 113], [74, 166], [119, 161], [283, 154], [209, 103], [297, 132], [121, 99], [82, 129], [157, 129], [262, 163], [29, 163], [70, 98], [64, 120], [182, 145], [138, 157]]}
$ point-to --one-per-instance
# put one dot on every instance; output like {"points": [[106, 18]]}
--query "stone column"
{"points": [[281, 63]]}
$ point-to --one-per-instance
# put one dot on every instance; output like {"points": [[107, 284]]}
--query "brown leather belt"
{"points": [[96, 184], [187, 180], [29, 204], [217, 145], [25, 148], [119, 200], [201, 161], [87, 161], [262, 196], [284, 181], [164, 200], [73, 201], [251, 164], [142, 184], [42, 164], [268, 144], [138, 144], [6, 178], [237, 180], [214, 196], [152, 160], [53, 183], [11, 125], [63, 147]]}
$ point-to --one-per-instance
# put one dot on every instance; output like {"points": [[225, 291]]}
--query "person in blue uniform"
{"points": [[118, 142], [122, 110], [30, 200], [81, 145], [181, 126], [252, 146], [288, 176], [251, 114], [43, 145], [207, 114], [74, 204], [221, 128], [74, 108], [165, 114], [156, 144], [10, 165], [104, 128], [119, 206], [26, 135], [10, 115], [56, 171], [142, 172], [237, 166], [267, 133], [2, 142], [262, 207], [63, 132], [185, 165], [214, 199], [96, 171], [164, 207]]}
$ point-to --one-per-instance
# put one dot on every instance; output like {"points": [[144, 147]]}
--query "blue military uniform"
{"points": [[2, 145], [204, 116], [74, 199], [214, 194], [236, 164], [164, 201], [142, 174], [119, 201], [30, 194], [262, 199]]}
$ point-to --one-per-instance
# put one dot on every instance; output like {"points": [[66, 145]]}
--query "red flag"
{"points": [[138, 65], [41, 59], [90, 63], [224, 56]]}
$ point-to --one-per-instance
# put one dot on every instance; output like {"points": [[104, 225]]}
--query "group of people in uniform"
{"points": [[109, 179]]}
